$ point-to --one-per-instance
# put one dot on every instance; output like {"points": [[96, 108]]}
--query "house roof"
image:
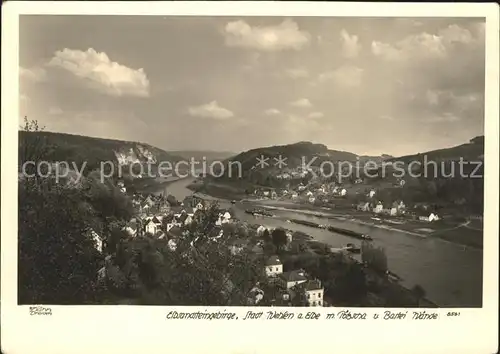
{"points": [[182, 217], [311, 285], [293, 275], [273, 260], [175, 231]]}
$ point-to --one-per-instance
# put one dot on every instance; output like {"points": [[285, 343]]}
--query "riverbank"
{"points": [[458, 234], [450, 273]]}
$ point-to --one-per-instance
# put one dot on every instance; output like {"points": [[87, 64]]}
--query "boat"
{"points": [[366, 237], [233, 201], [352, 248], [305, 222], [392, 276], [257, 212], [349, 233]]}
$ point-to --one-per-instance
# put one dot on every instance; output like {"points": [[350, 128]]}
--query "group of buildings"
{"points": [[294, 286], [397, 208], [324, 193]]}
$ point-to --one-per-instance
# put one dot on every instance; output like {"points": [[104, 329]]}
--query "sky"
{"points": [[364, 85]]}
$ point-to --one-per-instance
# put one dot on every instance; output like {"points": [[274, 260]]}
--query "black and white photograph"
{"points": [[251, 161], [173, 172]]}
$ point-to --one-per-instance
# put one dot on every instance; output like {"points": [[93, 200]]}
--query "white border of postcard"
{"points": [[135, 329]]}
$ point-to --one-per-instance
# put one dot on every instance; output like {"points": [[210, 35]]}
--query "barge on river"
{"points": [[350, 233], [338, 230], [259, 212]]}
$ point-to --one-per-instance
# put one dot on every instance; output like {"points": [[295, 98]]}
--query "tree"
{"points": [[172, 200], [374, 257], [350, 285], [419, 293], [279, 238], [57, 260]]}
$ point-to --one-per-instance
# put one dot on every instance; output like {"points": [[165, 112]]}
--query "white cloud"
{"points": [[452, 101], [316, 115], [297, 73], [303, 102], [103, 74], [425, 45], [35, 74], [55, 111], [347, 76], [272, 112], [284, 36], [446, 117], [210, 110], [350, 44]]}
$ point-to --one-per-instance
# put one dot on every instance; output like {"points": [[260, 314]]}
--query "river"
{"points": [[451, 274]]}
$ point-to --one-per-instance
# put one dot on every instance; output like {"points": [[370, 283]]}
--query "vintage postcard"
{"points": [[249, 177]]}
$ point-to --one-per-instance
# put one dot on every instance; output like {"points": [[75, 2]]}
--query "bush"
{"points": [[374, 257]]}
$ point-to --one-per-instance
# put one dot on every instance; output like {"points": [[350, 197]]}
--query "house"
{"points": [[132, 228], [101, 274], [292, 278], [273, 266], [199, 206], [433, 217], [314, 292], [255, 295], [309, 193], [301, 187], [343, 192], [260, 230], [224, 218], [401, 207], [393, 211], [430, 218], [266, 193], [378, 209], [149, 200], [237, 246], [365, 207], [173, 224], [274, 195], [163, 205], [152, 225], [289, 237], [188, 218], [294, 195], [97, 240], [312, 200], [371, 194]]}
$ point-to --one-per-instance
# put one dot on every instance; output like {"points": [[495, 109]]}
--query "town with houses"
{"points": [[163, 217], [169, 220]]}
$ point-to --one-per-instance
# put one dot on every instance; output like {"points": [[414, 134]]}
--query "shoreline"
{"points": [[342, 218], [351, 219]]}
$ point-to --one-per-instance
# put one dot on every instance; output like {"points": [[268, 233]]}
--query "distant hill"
{"points": [[471, 151], [199, 155], [93, 151], [293, 155]]}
